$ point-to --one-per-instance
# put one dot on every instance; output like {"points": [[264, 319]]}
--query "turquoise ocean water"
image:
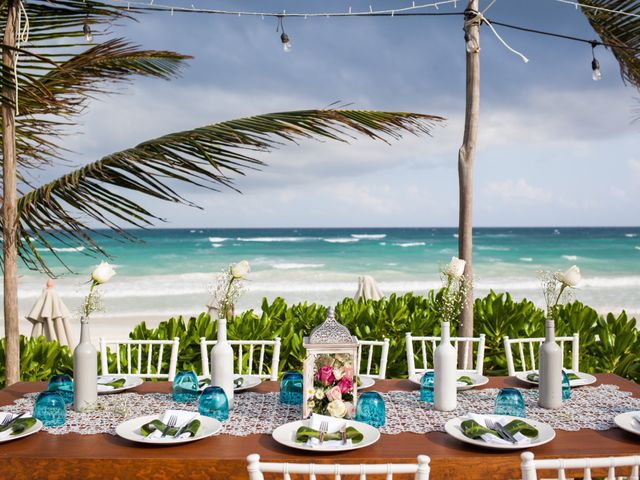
{"points": [[170, 271]]}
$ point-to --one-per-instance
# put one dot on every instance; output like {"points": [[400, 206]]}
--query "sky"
{"points": [[555, 148]]}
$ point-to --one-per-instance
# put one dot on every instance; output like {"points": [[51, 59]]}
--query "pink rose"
{"points": [[325, 375], [334, 394], [348, 372], [345, 385], [351, 410]]}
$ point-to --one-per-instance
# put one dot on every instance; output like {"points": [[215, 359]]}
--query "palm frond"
{"points": [[618, 29], [208, 156]]}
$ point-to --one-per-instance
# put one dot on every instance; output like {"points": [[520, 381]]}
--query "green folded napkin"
{"points": [[148, 428], [472, 429], [305, 433], [119, 383], [465, 379], [535, 377], [19, 425]]}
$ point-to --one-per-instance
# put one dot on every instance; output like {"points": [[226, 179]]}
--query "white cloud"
{"points": [[518, 190]]}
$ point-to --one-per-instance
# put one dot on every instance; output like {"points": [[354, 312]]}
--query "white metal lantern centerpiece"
{"points": [[330, 370]]}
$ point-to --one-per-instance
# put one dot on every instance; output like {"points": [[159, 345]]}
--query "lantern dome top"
{"points": [[331, 331]]}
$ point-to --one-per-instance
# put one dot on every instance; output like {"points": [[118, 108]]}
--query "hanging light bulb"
{"points": [[284, 38], [286, 44], [596, 74], [86, 29]]}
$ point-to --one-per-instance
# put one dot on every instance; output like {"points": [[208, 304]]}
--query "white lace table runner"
{"points": [[589, 407]]}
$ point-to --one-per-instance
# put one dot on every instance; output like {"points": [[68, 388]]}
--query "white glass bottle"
{"points": [[85, 370], [550, 380], [222, 362], [444, 380]]}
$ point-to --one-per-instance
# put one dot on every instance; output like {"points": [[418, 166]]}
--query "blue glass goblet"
{"points": [[185, 387], [426, 387], [63, 384], [213, 403], [510, 402], [50, 409], [291, 388], [566, 386], [370, 409]]}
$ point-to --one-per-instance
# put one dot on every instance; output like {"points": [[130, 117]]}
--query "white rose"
{"points": [[338, 373], [240, 269], [570, 278], [455, 268], [337, 409], [103, 273], [319, 394]]}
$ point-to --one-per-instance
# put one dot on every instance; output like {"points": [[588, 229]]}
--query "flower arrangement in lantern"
{"points": [[330, 369]]}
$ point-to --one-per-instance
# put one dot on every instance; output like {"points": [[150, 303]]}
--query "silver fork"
{"points": [[324, 428], [173, 419], [500, 430]]}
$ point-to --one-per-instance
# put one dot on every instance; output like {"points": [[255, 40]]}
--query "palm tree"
{"points": [[56, 77]]}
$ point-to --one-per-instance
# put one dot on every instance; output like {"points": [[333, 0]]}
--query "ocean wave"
{"points": [[369, 236], [571, 258], [637, 247], [296, 266], [491, 248], [216, 245], [62, 249], [410, 244], [631, 235], [217, 239], [341, 240], [383, 244], [526, 259], [275, 239], [455, 235]]}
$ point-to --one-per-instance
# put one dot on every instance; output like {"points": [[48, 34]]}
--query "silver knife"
{"points": [[13, 420]]}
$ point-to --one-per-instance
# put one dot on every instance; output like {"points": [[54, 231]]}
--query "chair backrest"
{"points": [[427, 346], [367, 348], [310, 470], [250, 356], [527, 349], [530, 467], [139, 356]]}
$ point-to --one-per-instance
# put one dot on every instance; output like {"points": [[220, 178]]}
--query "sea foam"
{"points": [[296, 266], [369, 236], [410, 244], [571, 258], [341, 240]]}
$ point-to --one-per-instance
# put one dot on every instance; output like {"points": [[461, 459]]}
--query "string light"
{"points": [[86, 29], [284, 38], [595, 65]]}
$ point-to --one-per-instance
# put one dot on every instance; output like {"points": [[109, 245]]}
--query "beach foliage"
{"points": [[608, 343]]}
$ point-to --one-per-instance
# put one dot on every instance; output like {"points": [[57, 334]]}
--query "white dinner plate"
{"points": [[285, 435], [248, 381], [131, 430], [545, 433], [626, 422], [585, 378], [366, 382], [36, 427], [131, 381], [477, 380]]}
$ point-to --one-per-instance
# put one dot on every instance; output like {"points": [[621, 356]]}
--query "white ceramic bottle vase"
{"points": [[444, 380], [222, 362], [85, 370], [550, 381]]}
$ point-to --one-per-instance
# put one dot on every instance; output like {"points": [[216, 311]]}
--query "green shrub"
{"points": [[615, 349]]}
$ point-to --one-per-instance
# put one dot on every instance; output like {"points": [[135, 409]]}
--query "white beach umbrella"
{"points": [[49, 316], [368, 289]]}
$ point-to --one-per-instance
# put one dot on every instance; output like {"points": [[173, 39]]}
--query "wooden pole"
{"points": [[466, 155], [10, 225]]}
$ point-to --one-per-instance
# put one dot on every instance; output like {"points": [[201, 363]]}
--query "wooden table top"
{"points": [[224, 457]]}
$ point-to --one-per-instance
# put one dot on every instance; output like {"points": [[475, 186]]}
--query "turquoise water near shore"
{"points": [[170, 271]]}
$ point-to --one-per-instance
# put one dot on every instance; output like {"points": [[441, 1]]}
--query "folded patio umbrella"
{"points": [[49, 316], [368, 289]]}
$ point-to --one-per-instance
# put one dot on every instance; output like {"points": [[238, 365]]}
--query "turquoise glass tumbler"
{"points": [[213, 403], [185, 387], [510, 402], [370, 409], [566, 386], [63, 384], [50, 409], [291, 388], [426, 387]]}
